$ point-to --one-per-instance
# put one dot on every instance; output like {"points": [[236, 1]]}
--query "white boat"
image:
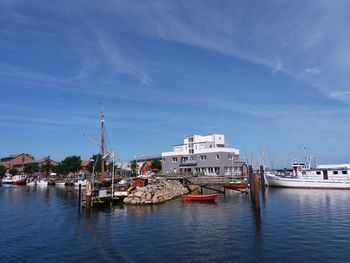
{"points": [[61, 184], [42, 182], [332, 176], [7, 179], [31, 183], [80, 182]]}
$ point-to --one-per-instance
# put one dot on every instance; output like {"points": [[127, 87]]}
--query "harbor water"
{"points": [[43, 224]]}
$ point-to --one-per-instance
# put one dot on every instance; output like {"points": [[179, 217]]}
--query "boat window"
{"points": [[335, 172], [344, 172], [318, 172]]}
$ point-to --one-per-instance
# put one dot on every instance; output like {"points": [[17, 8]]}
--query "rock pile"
{"points": [[156, 193]]}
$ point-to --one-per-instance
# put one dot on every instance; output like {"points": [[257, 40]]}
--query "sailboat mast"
{"points": [[102, 145]]}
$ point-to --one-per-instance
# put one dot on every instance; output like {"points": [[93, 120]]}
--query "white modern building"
{"points": [[206, 155]]}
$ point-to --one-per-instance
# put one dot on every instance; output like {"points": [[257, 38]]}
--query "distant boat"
{"points": [[20, 179], [42, 182], [80, 182], [198, 197], [236, 186], [332, 176], [7, 179], [31, 183], [60, 184]]}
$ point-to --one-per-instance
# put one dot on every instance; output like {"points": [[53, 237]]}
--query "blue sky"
{"points": [[273, 76]]}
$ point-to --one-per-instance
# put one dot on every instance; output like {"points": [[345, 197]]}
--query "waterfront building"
{"points": [[16, 161], [142, 162], [207, 155]]}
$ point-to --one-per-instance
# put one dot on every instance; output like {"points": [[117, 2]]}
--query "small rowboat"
{"points": [[236, 186], [193, 197]]}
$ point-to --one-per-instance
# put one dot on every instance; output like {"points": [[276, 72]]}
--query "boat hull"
{"points": [[19, 182], [277, 181], [7, 181], [236, 186], [193, 197]]}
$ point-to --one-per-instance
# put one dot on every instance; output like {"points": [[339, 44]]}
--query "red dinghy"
{"points": [[193, 197], [236, 186]]}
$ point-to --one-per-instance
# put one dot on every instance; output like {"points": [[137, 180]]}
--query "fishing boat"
{"points": [[331, 176], [20, 179], [198, 197]]}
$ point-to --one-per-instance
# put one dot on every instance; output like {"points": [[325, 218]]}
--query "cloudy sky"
{"points": [[272, 76]]}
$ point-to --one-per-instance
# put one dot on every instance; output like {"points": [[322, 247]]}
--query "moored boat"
{"points": [[60, 184], [198, 197], [31, 183], [80, 182], [332, 176], [42, 182], [7, 179], [20, 179], [236, 186]]}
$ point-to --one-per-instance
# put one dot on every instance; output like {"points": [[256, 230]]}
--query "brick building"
{"points": [[16, 161]]}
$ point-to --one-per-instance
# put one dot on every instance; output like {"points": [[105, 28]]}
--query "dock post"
{"points": [[251, 181], [88, 195], [79, 198], [262, 176], [256, 191], [254, 188]]}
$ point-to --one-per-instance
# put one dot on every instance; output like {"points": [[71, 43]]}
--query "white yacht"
{"points": [[331, 176]]}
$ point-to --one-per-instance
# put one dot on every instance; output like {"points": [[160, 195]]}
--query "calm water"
{"points": [[42, 224]]}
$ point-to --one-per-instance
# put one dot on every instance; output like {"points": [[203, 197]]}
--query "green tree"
{"points": [[133, 166], [31, 168], [46, 167], [156, 165], [71, 164], [13, 171], [58, 169], [2, 170]]}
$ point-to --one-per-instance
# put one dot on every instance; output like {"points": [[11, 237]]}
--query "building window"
{"points": [[344, 172], [174, 159], [184, 159], [335, 172], [203, 157], [191, 151], [230, 157], [318, 172], [217, 157], [163, 160]]}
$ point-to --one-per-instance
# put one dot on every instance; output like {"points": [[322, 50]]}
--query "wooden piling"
{"points": [[256, 195], [262, 176], [88, 195], [254, 188], [79, 198]]}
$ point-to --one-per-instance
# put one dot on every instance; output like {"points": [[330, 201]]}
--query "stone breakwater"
{"points": [[155, 193]]}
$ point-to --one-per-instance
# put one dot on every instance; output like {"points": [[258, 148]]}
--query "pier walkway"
{"points": [[206, 180]]}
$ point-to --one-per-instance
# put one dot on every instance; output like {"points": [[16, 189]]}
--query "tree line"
{"points": [[72, 164]]}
